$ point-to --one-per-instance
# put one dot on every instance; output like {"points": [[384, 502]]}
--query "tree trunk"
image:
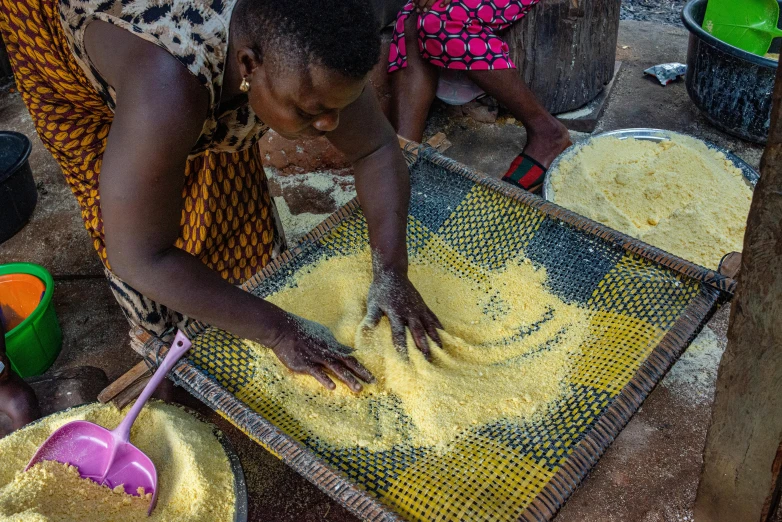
{"points": [[740, 480], [565, 50]]}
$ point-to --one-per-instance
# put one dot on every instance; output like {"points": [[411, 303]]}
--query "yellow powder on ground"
{"points": [[677, 195], [508, 344], [194, 476]]}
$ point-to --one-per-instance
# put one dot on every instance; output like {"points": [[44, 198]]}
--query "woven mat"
{"points": [[645, 308]]}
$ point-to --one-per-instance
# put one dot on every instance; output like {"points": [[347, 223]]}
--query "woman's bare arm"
{"points": [[383, 187], [160, 111]]}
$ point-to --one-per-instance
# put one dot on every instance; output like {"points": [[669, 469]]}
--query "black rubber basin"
{"points": [[730, 86], [18, 195]]}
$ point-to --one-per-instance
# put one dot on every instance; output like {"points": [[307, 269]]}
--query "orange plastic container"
{"points": [[33, 338], [20, 295]]}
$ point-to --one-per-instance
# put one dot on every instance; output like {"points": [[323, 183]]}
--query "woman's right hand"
{"points": [[309, 348]]}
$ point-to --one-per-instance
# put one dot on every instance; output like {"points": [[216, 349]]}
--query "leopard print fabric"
{"points": [[195, 32]]}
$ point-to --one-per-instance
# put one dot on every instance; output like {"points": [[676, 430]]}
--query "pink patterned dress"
{"points": [[462, 35]]}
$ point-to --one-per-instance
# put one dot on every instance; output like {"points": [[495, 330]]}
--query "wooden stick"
{"points": [[139, 372], [740, 480], [439, 142]]}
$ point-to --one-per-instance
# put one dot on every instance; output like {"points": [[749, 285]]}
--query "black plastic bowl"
{"points": [[730, 86], [18, 195]]}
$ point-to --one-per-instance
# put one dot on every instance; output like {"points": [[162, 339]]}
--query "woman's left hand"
{"points": [[426, 5], [394, 296]]}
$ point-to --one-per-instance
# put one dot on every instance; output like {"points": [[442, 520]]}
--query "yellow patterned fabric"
{"points": [[228, 218], [639, 316]]}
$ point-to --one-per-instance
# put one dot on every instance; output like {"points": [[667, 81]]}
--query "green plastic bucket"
{"points": [[33, 344]]}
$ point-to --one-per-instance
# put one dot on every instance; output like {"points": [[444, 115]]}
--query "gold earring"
{"points": [[245, 85]]}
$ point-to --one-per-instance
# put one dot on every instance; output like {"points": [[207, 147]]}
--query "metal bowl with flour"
{"points": [[656, 135]]}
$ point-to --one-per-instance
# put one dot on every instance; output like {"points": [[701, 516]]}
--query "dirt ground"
{"points": [[649, 473], [660, 11]]}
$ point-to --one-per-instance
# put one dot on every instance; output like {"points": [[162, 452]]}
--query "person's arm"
{"points": [[383, 187], [160, 111]]}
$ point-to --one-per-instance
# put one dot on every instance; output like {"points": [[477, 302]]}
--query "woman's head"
{"points": [[305, 60]]}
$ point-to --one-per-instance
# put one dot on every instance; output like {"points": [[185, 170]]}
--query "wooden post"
{"points": [[566, 49], [740, 480]]}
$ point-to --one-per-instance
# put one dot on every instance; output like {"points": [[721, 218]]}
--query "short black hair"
{"points": [[341, 35]]}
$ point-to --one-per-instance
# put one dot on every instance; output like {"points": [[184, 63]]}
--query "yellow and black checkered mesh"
{"points": [[494, 471]]}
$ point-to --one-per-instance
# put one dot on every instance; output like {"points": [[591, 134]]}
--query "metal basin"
{"points": [[240, 485], [750, 175], [729, 85]]}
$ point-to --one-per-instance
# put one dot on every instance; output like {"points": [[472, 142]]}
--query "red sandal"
{"points": [[526, 173]]}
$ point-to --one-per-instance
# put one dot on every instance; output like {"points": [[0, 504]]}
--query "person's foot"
{"points": [[546, 140], [18, 401]]}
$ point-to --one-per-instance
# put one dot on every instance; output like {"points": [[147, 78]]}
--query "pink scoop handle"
{"points": [[179, 347]]}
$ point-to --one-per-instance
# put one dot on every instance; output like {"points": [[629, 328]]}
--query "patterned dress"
{"points": [[228, 218], [462, 35]]}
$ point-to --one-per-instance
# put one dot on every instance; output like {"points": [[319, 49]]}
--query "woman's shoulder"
{"points": [[195, 13], [178, 24], [195, 32]]}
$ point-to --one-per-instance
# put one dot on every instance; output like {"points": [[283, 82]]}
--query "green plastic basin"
{"points": [[35, 342]]}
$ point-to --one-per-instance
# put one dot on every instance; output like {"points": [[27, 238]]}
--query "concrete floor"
{"points": [[650, 472]]}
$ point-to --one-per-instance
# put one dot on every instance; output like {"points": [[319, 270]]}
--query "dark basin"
{"points": [[732, 87], [18, 195]]}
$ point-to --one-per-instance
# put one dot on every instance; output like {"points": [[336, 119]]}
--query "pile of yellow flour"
{"points": [[51, 490], [677, 195], [508, 347], [194, 476]]}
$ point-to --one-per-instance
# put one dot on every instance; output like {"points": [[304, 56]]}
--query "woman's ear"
{"points": [[249, 60]]}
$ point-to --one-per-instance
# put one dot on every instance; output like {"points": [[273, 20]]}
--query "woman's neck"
{"points": [[231, 76]]}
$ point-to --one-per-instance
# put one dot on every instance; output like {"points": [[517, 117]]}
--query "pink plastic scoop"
{"points": [[108, 457]]}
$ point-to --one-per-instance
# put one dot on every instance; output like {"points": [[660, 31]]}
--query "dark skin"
{"points": [[423, 6], [160, 112], [414, 88], [17, 399]]}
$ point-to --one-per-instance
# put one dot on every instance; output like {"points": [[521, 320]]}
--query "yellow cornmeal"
{"points": [[194, 476], [482, 374], [33, 492], [677, 195]]}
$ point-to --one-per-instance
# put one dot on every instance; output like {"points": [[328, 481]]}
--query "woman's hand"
{"points": [[394, 296], [426, 5], [367, 138], [309, 348]]}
